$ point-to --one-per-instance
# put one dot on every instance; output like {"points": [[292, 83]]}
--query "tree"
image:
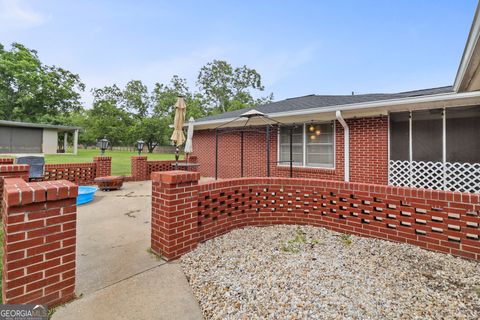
{"points": [[165, 96], [108, 118], [30, 89], [136, 98], [226, 88], [152, 130]]}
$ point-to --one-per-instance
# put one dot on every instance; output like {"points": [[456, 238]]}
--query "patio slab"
{"points": [[117, 277], [113, 236], [160, 293]]}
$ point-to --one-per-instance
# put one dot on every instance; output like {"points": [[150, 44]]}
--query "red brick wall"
{"points": [[80, 173], [159, 165], [12, 171], [186, 212], [104, 166], [368, 153], [139, 168], [177, 190], [369, 150], [6, 161], [39, 224], [142, 168]]}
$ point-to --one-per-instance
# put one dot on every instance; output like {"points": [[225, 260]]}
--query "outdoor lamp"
{"points": [[311, 128], [103, 146], [140, 144]]}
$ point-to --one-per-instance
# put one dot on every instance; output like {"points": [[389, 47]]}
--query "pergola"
{"points": [[247, 116]]}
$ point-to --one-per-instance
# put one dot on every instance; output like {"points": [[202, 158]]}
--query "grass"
{"points": [[120, 159]]}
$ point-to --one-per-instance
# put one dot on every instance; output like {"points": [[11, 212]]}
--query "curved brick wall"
{"points": [[185, 213]]}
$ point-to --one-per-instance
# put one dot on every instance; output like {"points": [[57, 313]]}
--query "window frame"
{"points": [[304, 147]]}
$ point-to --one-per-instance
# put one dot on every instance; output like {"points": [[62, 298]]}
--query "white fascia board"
{"points": [[470, 46], [357, 106]]}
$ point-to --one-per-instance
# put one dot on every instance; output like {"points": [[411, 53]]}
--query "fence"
{"points": [[463, 177], [185, 212]]}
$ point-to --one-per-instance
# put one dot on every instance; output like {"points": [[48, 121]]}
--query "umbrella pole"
{"points": [[176, 157]]}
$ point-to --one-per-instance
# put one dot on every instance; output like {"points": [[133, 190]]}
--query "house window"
{"points": [[313, 145], [319, 149]]}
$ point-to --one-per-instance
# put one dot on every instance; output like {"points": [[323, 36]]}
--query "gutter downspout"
{"points": [[346, 141]]}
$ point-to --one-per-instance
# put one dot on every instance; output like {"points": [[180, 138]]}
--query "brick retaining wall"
{"points": [[185, 212]]}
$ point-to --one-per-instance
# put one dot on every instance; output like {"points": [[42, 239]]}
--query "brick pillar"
{"points": [[104, 166], [39, 223], [12, 171], [6, 160], [139, 168], [174, 213]]}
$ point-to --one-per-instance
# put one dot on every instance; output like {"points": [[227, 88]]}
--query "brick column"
{"points": [[139, 168], [104, 166], [6, 160], [12, 171], [174, 213], [39, 247]]}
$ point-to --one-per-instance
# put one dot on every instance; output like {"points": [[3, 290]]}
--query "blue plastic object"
{"points": [[85, 194]]}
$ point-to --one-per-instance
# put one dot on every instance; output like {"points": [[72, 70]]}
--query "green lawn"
{"points": [[120, 159]]}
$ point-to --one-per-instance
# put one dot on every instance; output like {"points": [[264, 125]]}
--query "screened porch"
{"points": [[435, 149]]}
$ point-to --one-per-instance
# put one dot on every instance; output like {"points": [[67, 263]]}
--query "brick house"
{"points": [[425, 138]]}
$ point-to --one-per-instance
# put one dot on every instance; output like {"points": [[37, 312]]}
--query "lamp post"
{"points": [[103, 146], [140, 144]]}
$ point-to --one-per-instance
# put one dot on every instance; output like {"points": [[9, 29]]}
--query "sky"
{"points": [[299, 47]]}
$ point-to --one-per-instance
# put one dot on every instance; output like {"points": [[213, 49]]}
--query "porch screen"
{"points": [[399, 136], [297, 145], [427, 135], [463, 134]]}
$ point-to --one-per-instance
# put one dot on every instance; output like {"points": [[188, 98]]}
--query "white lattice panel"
{"points": [[464, 177]]}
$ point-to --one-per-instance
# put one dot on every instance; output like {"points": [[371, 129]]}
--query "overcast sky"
{"points": [[299, 47]]}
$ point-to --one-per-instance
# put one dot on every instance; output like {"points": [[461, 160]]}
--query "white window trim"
{"points": [[305, 148]]}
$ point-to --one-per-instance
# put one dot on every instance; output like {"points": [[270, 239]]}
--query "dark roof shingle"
{"points": [[318, 101]]}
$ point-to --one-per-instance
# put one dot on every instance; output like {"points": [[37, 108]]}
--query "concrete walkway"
{"points": [[117, 277]]}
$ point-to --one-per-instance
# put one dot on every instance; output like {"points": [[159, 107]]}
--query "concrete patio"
{"points": [[117, 276]]}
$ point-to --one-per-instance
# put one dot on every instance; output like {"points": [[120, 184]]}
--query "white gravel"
{"points": [[291, 272]]}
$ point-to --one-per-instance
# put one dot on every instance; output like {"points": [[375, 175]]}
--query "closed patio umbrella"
{"points": [[188, 144], [177, 136]]}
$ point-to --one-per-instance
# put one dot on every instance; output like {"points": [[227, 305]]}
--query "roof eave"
{"points": [[357, 106], [470, 57]]}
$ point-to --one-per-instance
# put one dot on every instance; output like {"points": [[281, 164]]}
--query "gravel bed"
{"points": [[291, 272]]}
